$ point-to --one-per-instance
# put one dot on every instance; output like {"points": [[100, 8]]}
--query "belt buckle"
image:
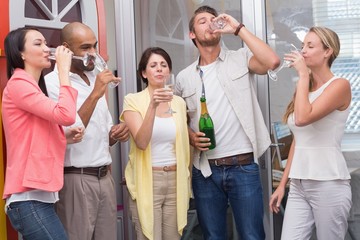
{"points": [[166, 168], [100, 173], [235, 160], [216, 162]]}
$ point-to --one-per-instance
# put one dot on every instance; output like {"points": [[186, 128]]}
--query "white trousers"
{"points": [[321, 204]]}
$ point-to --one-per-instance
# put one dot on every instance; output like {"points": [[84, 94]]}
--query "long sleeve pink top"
{"points": [[35, 141]]}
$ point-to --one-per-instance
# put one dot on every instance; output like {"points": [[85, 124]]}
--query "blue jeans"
{"points": [[238, 186], [36, 220]]}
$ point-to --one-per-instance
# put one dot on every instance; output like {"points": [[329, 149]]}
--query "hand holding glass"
{"points": [[273, 73], [101, 65], [218, 24], [84, 59], [169, 84]]}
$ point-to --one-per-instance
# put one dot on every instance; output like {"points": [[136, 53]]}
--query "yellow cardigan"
{"points": [[138, 171]]}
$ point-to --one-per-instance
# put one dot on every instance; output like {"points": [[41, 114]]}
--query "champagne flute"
{"points": [[169, 84], [273, 73], [101, 65], [84, 59]]}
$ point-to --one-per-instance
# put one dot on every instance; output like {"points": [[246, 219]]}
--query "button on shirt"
{"points": [[93, 150]]}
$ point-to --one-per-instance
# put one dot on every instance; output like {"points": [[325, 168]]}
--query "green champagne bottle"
{"points": [[206, 124]]}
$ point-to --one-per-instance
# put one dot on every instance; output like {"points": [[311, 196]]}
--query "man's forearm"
{"points": [[86, 110]]}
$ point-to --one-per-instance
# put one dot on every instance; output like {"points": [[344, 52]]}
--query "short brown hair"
{"points": [[201, 9]]}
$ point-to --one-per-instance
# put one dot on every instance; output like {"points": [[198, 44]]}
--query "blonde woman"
{"points": [[320, 193]]}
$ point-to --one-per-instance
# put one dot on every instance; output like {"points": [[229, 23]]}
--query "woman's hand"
{"points": [[74, 134], [275, 199], [63, 58], [297, 62], [161, 95]]}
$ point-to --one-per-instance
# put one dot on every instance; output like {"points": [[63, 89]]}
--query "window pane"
{"points": [[288, 21]]}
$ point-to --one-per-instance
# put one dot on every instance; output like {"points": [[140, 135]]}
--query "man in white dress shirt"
{"points": [[87, 205]]}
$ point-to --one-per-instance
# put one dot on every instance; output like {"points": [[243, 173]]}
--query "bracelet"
{"points": [[238, 29]]}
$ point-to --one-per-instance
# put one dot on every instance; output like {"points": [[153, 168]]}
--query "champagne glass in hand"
{"points": [[169, 84], [101, 65], [273, 73]]}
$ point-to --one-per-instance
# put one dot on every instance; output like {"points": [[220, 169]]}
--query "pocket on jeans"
{"points": [[251, 168], [15, 218], [196, 173]]}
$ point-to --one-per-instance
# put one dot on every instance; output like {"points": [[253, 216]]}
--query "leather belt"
{"points": [[236, 160], [93, 171], [165, 168]]}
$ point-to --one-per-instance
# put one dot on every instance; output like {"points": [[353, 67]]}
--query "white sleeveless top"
{"points": [[317, 154], [163, 142]]}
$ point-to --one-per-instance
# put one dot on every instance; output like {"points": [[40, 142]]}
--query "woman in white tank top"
{"points": [[157, 174], [320, 193]]}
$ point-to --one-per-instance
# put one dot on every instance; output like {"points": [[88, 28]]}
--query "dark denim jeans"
{"points": [[36, 220], [238, 186]]}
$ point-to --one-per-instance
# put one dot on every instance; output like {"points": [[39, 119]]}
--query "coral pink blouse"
{"points": [[35, 141]]}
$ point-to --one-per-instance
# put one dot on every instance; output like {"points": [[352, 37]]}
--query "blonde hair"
{"points": [[330, 40]]}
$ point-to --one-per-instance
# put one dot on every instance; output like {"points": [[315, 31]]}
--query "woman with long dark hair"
{"points": [[35, 140]]}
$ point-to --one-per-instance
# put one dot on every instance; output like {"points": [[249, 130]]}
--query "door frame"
{"points": [[254, 18]]}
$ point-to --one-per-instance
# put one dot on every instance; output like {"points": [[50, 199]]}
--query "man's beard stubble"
{"points": [[80, 65], [209, 42]]}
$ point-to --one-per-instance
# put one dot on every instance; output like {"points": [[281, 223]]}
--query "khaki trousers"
{"points": [[165, 218], [87, 207]]}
